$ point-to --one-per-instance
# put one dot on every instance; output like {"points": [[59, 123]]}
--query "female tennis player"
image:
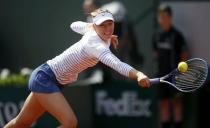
{"points": [[47, 80]]}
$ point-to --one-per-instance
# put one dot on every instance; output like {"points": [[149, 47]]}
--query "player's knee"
{"points": [[20, 123], [70, 122], [10, 124]]}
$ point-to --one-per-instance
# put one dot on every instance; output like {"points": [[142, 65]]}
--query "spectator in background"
{"points": [[127, 49], [169, 48], [89, 6]]}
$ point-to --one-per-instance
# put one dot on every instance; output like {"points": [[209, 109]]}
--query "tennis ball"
{"points": [[182, 67]]}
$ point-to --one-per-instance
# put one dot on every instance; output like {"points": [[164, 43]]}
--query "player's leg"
{"points": [[30, 111], [56, 104]]}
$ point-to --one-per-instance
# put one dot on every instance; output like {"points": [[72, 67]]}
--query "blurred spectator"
{"points": [[169, 48], [89, 6], [128, 46]]}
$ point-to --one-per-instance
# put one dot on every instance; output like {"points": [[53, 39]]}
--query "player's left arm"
{"points": [[114, 41], [81, 27]]}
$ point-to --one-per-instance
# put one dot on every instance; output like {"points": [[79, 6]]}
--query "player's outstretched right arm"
{"points": [[104, 55], [142, 79], [112, 61]]}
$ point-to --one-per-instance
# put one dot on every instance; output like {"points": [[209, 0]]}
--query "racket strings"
{"points": [[193, 75], [188, 85], [185, 85], [193, 78]]}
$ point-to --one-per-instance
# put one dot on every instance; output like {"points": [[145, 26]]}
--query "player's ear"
{"points": [[94, 26]]}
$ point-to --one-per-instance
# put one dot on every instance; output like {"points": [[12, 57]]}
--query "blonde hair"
{"points": [[98, 11]]}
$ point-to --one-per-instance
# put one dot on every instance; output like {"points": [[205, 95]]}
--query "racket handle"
{"points": [[154, 81]]}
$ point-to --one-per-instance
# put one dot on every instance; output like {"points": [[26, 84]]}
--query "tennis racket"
{"points": [[191, 80]]}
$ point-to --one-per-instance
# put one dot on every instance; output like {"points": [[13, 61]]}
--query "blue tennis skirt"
{"points": [[43, 80]]}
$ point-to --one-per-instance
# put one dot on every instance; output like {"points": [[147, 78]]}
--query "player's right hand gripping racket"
{"points": [[191, 80]]}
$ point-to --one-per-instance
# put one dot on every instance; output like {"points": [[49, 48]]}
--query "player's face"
{"points": [[105, 29], [164, 20]]}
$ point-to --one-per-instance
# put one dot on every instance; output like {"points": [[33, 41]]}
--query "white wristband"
{"points": [[139, 75]]}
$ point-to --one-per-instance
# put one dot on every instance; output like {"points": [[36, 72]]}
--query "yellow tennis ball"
{"points": [[182, 67]]}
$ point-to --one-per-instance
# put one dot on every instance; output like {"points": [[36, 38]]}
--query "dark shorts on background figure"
{"points": [[166, 91], [43, 80]]}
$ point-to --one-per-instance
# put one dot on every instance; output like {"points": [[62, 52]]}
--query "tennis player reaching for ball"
{"points": [[47, 80]]}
